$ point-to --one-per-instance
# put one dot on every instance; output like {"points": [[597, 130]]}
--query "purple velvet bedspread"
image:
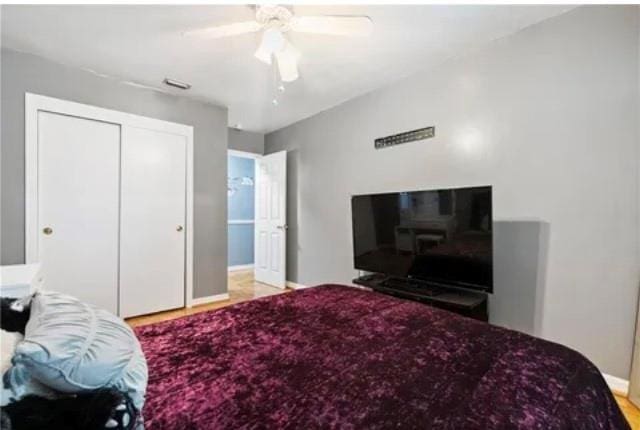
{"points": [[340, 357]]}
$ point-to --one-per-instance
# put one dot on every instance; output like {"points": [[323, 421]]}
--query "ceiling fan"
{"points": [[275, 21]]}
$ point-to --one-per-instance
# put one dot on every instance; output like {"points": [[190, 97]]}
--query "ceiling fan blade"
{"points": [[339, 25], [225, 30], [288, 63]]}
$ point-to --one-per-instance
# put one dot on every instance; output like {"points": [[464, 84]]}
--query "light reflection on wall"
{"points": [[470, 142]]}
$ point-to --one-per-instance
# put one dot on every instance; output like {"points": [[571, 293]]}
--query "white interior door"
{"points": [[78, 188], [152, 231], [271, 219]]}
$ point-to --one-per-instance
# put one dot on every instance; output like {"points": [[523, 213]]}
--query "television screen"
{"points": [[442, 236]]}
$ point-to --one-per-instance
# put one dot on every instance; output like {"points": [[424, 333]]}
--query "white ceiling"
{"points": [[144, 44]]}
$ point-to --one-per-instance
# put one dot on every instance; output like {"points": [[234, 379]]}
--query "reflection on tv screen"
{"points": [[438, 235]]}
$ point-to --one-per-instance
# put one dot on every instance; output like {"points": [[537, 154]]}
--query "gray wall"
{"points": [[246, 141], [27, 73], [549, 116]]}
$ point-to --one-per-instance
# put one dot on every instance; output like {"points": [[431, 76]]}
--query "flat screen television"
{"points": [[444, 236]]}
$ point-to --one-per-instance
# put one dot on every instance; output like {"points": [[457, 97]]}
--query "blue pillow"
{"points": [[73, 347]]}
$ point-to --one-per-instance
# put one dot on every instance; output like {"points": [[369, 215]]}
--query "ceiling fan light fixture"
{"points": [[275, 20], [288, 63], [272, 41]]}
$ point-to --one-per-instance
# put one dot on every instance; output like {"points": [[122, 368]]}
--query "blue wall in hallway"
{"points": [[240, 195]]}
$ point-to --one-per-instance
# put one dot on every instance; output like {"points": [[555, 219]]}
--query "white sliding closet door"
{"points": [[152, 232], [78, 183]]}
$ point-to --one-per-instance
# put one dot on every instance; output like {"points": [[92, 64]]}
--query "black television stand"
{"points": [[467, 303]]}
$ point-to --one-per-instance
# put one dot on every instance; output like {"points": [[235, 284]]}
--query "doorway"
{"points": [[240, 210], [241, 168], [255, 185]]}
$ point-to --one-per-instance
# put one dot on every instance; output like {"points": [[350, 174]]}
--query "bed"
{"points": [[339, 357]]}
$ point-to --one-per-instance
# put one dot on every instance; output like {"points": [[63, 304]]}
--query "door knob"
{"points": [[47, 230], [283, 227], [179, 228]]}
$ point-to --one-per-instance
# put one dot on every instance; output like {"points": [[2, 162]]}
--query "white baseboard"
{"points": [[240, 267], [208, 299], [618, 385], [296, 286]]}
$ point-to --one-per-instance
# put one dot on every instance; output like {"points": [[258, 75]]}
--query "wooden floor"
{"points": [[243, 287], [630, 411]]}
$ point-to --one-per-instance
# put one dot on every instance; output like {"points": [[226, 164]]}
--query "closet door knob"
{"points": [[179, 228], [47, 230]]}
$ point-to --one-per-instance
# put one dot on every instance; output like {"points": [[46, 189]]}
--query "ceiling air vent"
{"points": [[176, 84]]}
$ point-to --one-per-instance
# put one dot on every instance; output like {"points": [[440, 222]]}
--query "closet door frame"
{"points": [[35, 103]]}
